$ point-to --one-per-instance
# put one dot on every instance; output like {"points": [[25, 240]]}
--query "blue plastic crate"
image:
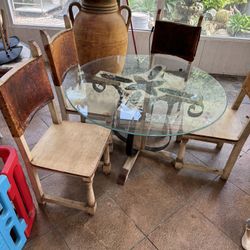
{"points": [[3, 245], [11, 228]]}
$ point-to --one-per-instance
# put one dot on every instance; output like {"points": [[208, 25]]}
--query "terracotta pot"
{"points": [[99, 29]]}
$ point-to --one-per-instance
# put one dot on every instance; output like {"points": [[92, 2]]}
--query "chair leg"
{"points": [[219, 145], [178, 139], [188, 71], [106, 168], [110, 142], [181, 154], [32, 172], [36, 185], [231, 161], [65, 116], [91, 202], [151, 62], [83, 119]]}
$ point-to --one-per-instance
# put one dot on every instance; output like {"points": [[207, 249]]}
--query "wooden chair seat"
{"points": [[228, 127], [82, 143]]}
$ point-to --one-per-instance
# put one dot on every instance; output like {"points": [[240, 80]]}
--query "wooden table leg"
{"points": [[122, 178], [132, 156]]}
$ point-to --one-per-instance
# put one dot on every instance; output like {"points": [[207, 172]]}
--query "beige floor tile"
{"points": [[113, 228], [42, 224], [57, 213], [104, 183], [246, 147], [154, 191], [208, 154], [7, 138], [185, 182], [189, 230], [67, 187], [2, 121], [44, 173], [147, 200], [77, 235], [50, 241], [226, 206], [46, 118], [144, 245], [240, 175]]}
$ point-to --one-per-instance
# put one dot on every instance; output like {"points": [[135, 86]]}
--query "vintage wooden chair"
{"points": [[61, 51], [227, 129], [72, 148], [176, 39]]}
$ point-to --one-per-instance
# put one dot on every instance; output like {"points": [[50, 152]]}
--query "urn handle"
{"points": [[129, 14], [71, 14]]}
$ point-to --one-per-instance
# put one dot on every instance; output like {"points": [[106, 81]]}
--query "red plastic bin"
{"points": [[19, 192]]}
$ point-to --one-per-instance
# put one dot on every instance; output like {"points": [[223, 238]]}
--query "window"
{"points": [[223, 18], [227, 18], [143, 13], [39, 12]]}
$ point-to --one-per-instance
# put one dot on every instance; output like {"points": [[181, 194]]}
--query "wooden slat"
{"points": [[61, 52], [53, 112], [202, 168], [127, 168], [246, 84], [207, 139], [32, 173], [62, 101], [70, 203]]}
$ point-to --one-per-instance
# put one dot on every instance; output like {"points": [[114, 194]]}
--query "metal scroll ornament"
{"points": [[150, 86]]}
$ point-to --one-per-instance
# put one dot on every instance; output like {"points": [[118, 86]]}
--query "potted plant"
{"points": [[239, 24], [142, 13]]}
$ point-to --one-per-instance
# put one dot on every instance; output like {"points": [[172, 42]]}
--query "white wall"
{"points": [[214, 55]]}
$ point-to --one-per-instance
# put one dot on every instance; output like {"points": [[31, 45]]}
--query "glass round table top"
{"points": [[125, 94]]}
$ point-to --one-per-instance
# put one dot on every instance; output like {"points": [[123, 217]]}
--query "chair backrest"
{"points": [[176, 39], [245, 90], [246, 85], [61, 51], [23, 91]]}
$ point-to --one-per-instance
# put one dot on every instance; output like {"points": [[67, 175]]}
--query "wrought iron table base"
{"points": [[133, 153]]}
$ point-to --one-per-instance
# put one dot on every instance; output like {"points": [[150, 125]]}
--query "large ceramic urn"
{"points": [[100, 29]]}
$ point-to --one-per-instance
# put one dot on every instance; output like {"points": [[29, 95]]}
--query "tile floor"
{"points": [[158, 208]]}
